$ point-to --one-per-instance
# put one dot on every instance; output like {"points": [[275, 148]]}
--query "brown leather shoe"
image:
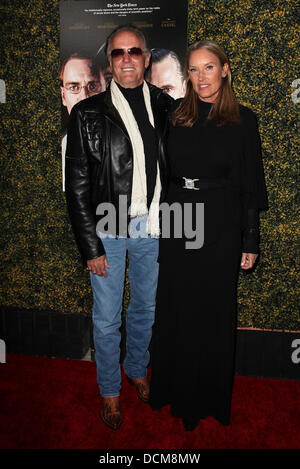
{"points": [[111, 413], [142, 388]]}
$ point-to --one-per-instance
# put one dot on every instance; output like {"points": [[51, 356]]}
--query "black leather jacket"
{"points": [[99, 162]]}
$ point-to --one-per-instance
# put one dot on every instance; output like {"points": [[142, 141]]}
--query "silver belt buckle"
{"points": [[190, 184]]}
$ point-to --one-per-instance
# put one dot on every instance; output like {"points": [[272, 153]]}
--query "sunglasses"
{"points": [[133, 52]]}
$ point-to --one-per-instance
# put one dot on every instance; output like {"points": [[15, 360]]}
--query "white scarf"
{"points": [[139, 184]]}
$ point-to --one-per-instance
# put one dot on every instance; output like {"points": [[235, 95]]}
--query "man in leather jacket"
{"points": [[115, 161]]}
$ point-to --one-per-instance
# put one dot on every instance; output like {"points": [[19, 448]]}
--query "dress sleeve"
{"points": [[253, 188], [250, 243]]}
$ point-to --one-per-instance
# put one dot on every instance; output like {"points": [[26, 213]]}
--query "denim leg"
{"points": [[142, 274], [107, 308]]}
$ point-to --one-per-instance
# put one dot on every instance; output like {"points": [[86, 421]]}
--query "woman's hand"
{"points": [[248, 260], [98, 266]]}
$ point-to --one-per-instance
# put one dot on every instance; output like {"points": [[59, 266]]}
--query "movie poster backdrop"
{"points": [[85, 25]]}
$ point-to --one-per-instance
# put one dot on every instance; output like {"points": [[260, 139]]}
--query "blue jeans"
{"points": [[107, 309]]}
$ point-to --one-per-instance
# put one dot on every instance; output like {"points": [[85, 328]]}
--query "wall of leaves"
{"points": [[40, 266]]}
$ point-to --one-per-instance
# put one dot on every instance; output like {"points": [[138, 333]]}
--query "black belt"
{"points": [[197, 184]]}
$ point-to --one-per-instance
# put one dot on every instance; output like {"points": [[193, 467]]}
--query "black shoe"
{"points": [[189, 424]]}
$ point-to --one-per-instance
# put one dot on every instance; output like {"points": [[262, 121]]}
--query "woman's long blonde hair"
{"points": [[225, 109]]}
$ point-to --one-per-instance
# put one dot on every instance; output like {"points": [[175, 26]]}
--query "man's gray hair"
{"points": [[126, 27]]}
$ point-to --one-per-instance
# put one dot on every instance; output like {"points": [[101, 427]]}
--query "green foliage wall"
{"points": [[40, 266]]}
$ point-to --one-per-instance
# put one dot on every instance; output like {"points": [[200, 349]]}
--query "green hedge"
{"points": [[40, 266]]}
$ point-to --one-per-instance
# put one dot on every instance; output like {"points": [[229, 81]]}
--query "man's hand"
{"points": [[248, 260], [98, 266]]}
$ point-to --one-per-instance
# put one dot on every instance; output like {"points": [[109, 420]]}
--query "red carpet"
{"points": [[51, 403]]}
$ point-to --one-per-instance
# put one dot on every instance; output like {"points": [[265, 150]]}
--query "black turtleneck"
{"points": [[136, 101]]}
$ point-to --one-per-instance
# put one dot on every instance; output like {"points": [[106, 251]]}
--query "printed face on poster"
{"points": [[84, 27]]}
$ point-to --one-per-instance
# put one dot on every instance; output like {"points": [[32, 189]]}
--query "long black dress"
{"points": [[194, 334]]}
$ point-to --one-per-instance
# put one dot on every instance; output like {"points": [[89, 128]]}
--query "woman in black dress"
{"points": [[214, 141]]}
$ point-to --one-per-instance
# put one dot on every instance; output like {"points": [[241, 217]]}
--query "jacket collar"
{"points": [[112, 113], [158, 110]]}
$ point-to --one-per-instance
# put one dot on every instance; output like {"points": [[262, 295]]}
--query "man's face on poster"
{"points": [[128, 69], [79, 82], [165, 75]]}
